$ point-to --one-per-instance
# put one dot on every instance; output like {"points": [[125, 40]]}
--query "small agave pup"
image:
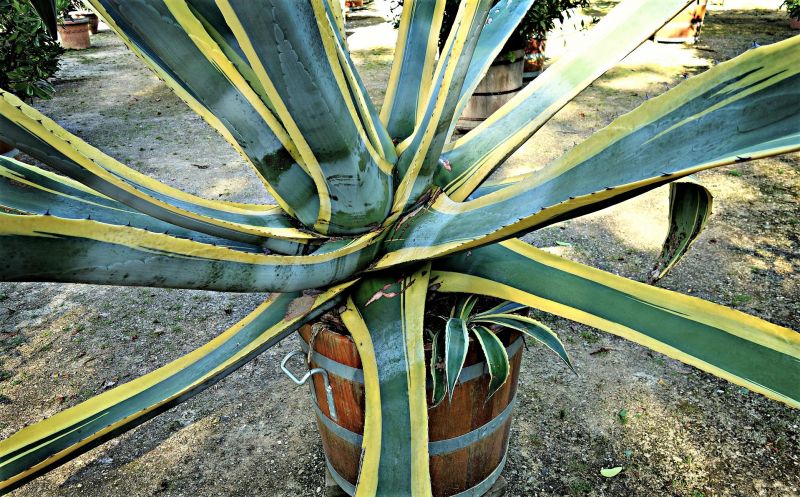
{"points": [[449, 347], [383, 203]]}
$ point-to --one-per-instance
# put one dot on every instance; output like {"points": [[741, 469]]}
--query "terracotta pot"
{"points": [[794, 23], [685, 27], [470, 463], [534, 58], [354, 4], [74, 34], [94, 21], [503, 80]]}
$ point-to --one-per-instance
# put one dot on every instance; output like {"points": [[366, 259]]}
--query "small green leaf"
{"points": [[505, 307], [456, 342], [611, 472], [464, 306], [623, 416], [496, 357], [531, 328], [563, 244], [437, 370]]}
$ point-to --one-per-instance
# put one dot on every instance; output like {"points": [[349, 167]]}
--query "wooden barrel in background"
{"points": [[503, 80], [468, 437]]}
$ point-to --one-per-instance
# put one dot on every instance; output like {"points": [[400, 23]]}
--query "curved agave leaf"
{"points": [[208, 14], [496, 357], [531, 328], [412, 69], [505, 307], [47, 444], [689, 210], [370, 120], [151, 31], [500, 24], [45, 140], [474, 156], [32, 190], [373, 416], [419, 154], [308, 87], [737, 111], [456, 344], [438, 376], [47, 248], [732, 345], [463, 308], [397, 463]]}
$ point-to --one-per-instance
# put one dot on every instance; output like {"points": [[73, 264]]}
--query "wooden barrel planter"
{"points": [[503, 80], [685, 27], [468, 437]]}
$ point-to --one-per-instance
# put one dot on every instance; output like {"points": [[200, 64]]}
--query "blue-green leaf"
{"points": [[689, 210], [456, 344], [496, 357], [531, 328]]}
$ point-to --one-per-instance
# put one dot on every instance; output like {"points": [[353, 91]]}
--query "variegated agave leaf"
{"points": [[375, 208]]}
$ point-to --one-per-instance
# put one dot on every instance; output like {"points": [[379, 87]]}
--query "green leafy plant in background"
{"points": [[375, 209], [65, 7], [540, 18], [792, 7], [28, 54]]}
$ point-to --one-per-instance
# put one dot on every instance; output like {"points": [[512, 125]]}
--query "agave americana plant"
{"points": [[381, 203]]}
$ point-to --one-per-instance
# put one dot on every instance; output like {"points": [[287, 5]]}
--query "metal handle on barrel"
{"points": [[309, 374]]}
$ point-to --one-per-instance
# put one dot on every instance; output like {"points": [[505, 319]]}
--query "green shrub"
{"points": [[540, 19], [28, 55], [792, 7]]}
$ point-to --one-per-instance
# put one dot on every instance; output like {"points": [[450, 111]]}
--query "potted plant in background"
{"points": [[28, 54], [83, 13], [519, 58], [685, 27], [73, 30], [532, 31], [793, 8]]}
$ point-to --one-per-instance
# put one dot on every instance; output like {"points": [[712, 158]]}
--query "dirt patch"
{"points": [[675, 430]]}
